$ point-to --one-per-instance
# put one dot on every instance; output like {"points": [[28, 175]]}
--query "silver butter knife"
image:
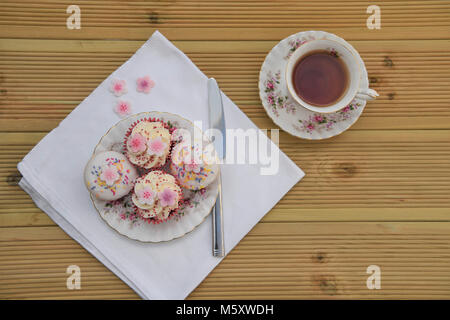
{"points": [[217, 121]]}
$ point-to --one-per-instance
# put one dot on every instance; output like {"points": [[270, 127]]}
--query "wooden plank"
{"points": [[138, 20], [358, 169], [20, 138], [356, 214], [34, 217], [288, 260], [220, 34], [108, 46], [377, 123], [19, 218]]}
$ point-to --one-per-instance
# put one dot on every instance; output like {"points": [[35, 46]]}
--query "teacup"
{"points": [[348, 58]]}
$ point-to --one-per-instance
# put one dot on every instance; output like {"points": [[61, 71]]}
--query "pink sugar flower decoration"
{"points": [[192, 167], [137, 143], [146, 195], [109, 175], [123, 108], [167, 197], [191, 164], [145, 84], [156, 147], [118, 87]]}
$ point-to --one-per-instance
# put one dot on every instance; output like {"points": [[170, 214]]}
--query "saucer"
{"points": [[120, 216], [285, 111]]}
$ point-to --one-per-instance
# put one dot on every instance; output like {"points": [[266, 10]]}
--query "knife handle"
{"points": [[217, 220]]}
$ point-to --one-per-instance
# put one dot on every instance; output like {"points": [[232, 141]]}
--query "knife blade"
{"points": [[217, 121]]}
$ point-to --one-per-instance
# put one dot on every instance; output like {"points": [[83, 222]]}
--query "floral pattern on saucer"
{"points": [[285, 111], [123, 209], [274, 97]]}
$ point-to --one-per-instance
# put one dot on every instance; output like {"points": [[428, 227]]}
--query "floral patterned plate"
{"points": [[285, 111], [120, 214]]}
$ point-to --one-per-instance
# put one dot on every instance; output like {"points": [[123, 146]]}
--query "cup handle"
{"points": [[366, 94]]}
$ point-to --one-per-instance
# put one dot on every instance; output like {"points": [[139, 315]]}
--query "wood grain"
{"points": [[377, 194], [295, 260], [61, 78]]}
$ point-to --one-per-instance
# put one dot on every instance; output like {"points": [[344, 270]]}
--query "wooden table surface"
{"points": [[379, 194]]}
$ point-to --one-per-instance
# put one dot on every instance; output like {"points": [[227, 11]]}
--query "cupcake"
{"points": [[156, 196], [147, 143], [193, 166], [109, 176]]}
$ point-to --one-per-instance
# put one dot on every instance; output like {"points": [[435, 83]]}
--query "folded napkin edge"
{"points": [[42, 197]]}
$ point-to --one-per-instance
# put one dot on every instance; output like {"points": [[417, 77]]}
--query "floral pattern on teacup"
{"points": [[296, 43]]}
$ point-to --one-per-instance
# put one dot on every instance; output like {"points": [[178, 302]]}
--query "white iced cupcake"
{"points": [[193, 166], [156, 196], [109, 175]]}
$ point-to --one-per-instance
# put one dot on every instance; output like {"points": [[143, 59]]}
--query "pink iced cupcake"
{"points": [[157, 196], [148, 143]]}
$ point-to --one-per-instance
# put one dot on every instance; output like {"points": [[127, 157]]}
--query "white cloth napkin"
{"points": [[53, 176]]}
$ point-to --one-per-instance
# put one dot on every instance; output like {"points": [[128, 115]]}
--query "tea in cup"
{"points": [[325, 76]]}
